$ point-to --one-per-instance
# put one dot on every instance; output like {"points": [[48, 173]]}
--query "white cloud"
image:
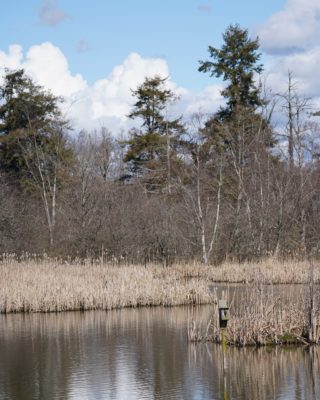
{"points": [[12, 60], [206, 101], [291, 38], [112, 96], [109, 100], [294, 28], [47, 64], [305, 70]]}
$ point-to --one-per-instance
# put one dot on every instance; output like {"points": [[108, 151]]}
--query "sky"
{"points": [[93, 53]]}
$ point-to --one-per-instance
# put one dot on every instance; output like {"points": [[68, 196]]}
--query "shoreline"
{"points": [[260, 316], [53, 286]]}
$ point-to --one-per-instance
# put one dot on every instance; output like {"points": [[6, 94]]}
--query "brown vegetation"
{"points": [[261, 315], [223, 186], [45, 285], [54, 286], [267, 271]]}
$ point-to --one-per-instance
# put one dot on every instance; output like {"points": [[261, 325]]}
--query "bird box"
{"points": [[224, 313]]}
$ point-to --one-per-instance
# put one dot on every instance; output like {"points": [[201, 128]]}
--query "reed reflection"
{"points": [[142, 354]]}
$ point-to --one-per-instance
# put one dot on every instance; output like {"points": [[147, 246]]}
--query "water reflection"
{"points": [[141, 354]]}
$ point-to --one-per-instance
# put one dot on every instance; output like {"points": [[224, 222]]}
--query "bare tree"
{"points": [[203, 196]]}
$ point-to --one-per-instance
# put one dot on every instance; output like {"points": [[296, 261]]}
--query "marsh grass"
{"points": [[262, 317], [267, 271], [41, 284], [50, 286]]}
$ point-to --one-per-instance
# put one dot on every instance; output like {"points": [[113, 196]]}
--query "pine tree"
{"points": [[236, 62], [234, 126], [152, 149], [29, 118], [238, 132], [33, 143]]}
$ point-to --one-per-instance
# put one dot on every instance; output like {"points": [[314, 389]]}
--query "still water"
{"points": [[142, 354]]}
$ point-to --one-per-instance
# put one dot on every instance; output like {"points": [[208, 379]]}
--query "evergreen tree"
{"points": [[30, 119], [152, 149], [238, 132], [236, 62], [33, 143], [235, 125]]}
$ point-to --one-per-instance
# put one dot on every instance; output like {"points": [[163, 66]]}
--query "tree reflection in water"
{"points": [[142, 354]]}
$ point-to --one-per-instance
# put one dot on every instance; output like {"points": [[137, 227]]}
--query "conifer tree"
{"points": [[239, 120], [238, 131], [33, 142], [236, 62], [152, 149], [30, 119]]}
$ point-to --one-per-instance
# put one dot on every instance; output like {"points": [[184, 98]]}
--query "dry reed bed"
{"points": [[46, 285], [52, 286], [268, 271], [259, 318]]}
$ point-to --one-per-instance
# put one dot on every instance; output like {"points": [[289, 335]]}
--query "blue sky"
{"points": [[97, 35], [100, 48]]}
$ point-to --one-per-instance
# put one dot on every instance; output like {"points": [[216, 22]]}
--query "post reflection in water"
{"points": [[142, 354]]}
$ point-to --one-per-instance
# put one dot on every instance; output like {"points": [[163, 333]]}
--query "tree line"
{"points": [[229, 185]]}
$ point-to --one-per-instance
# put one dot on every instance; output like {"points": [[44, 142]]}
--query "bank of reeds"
{"points": [[51, 286], [260, 317], [267, 271], [41, 284]]}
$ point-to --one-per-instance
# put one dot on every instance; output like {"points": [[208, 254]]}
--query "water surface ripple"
{"points": [[142, 354]]}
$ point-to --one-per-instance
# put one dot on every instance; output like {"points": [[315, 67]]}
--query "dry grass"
{"points": [[261, 317], [268, 271], [52, 286], [48, 285]]}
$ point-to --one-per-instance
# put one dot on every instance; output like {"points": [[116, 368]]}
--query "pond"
{"points": [[142, 354]]}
